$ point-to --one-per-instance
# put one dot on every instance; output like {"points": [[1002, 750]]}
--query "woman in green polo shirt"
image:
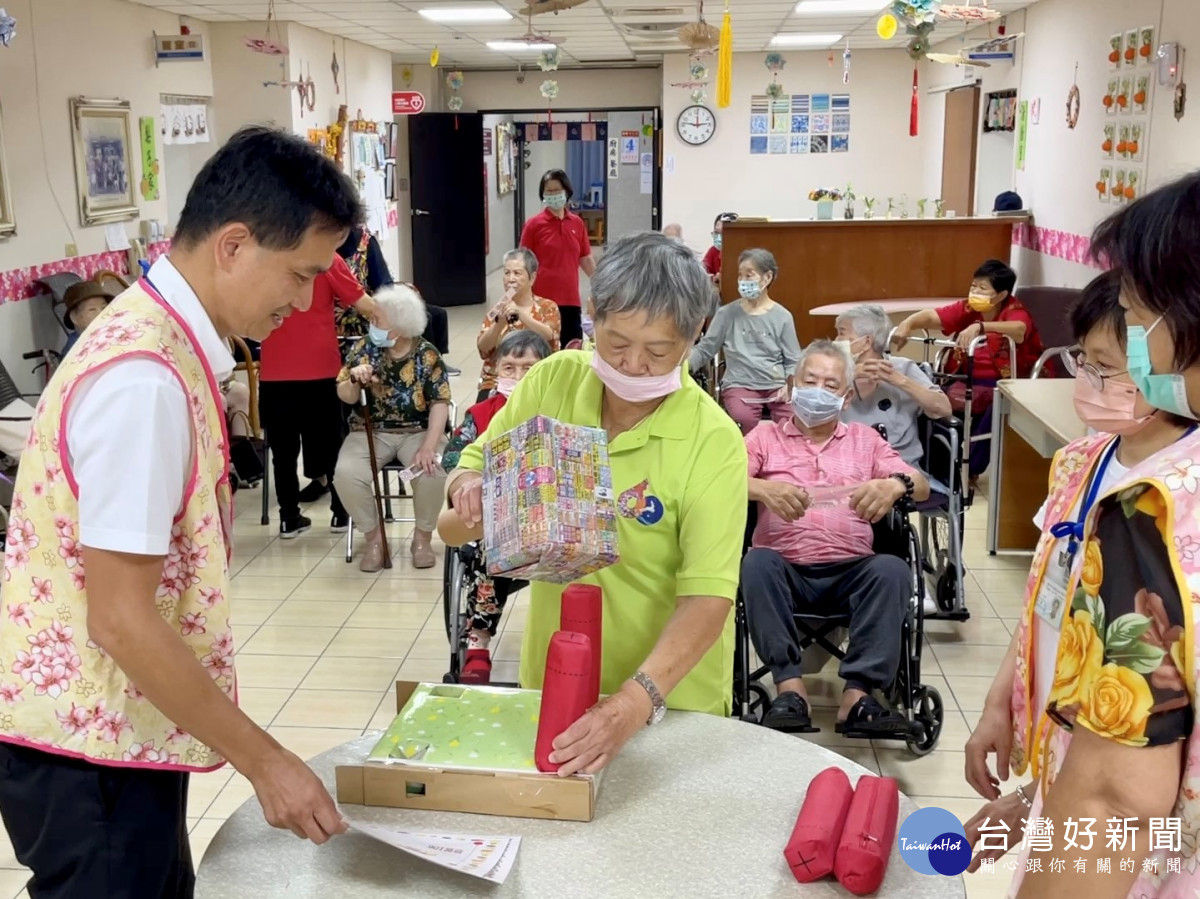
{"points": [[679, 471]]}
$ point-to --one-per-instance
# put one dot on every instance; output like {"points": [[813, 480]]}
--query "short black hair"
{"points": [[998, 274], [273, 182], [555, 175], [1155, 242], [1099, 304], [725, 217], [520, 343]]}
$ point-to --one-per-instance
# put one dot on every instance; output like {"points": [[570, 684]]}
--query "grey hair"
{"points": [[525, 255], [403, 308], [657, 275], [763, 261], [868, 320], [521, 343], [828, 348]]}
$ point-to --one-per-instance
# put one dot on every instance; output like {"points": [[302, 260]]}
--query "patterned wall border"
{"points": [[18, 284], [1059, 244]]}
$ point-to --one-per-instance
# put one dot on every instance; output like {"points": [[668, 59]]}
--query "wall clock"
{"points": [[696, 125]]}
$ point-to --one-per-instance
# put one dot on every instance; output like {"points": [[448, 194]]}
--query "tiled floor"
{"points": [[320, 645]]}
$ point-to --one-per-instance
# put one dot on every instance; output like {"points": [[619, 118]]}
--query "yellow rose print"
{"points": [[1118, 704], [1091, 575], [1080, 654]]}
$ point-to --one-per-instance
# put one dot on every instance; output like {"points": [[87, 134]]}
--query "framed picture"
{"points": [[8, 216], [506, 176], [103, 160]]}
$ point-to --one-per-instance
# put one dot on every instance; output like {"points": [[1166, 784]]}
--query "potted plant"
{"points": [[848, 193], [869, 203], [921, 208], [824, 199], [939, 208]]}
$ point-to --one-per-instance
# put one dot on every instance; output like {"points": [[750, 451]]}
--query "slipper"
{"points": [[789, 713], [868, 719], [477, 669]]}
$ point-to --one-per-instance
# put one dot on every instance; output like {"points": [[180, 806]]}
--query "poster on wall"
{"points": [[646, 172], [103, 160], [791, 124], [147, 125], [614, 158], [1022, 133], [629, 148]]}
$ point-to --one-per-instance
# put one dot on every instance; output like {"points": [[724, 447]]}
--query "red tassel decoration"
{"points": [[913, 113]]}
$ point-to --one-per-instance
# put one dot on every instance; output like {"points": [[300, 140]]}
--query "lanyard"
{"points": [[1073, 530]]}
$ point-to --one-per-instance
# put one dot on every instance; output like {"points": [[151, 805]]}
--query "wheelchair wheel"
{"points": [[760, 701], [946, 594], [928, 715]]}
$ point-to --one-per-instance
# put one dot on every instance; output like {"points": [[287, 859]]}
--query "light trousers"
{"points": [[353, 478]]}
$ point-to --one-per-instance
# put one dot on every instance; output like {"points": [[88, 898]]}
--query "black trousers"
{"points": [[87, 831], [572, 326], [301, 416], [874, 590]]}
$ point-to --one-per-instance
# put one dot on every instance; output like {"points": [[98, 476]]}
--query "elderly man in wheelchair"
{"points": [[821, 484]]}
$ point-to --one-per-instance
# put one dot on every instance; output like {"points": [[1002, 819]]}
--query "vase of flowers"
{"points": [[824, 199], [921, 208], [869, 204], [848, 193], [903, 206], [939, 209], [891, 206]]}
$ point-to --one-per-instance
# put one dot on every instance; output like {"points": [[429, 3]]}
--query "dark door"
{"points": [[448, 227]]}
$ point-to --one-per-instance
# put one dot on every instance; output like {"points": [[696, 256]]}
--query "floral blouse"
{"points": [[408, 386], [1121, 658], [544, 311]]}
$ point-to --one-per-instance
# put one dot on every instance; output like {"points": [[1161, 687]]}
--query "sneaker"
{"points": [[453, 372], [313, 492], [339, 524], [291, 528]]}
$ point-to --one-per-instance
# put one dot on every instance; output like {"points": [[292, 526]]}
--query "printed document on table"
{"points": [[486, 857]]}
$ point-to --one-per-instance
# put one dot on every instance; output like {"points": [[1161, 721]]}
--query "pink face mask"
{"points": [[505, 386], [1111, 410], [640, 389]]}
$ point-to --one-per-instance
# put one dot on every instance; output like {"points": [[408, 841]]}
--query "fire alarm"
{"points": [[1168, 64]]}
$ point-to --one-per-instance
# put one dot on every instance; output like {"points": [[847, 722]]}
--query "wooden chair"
{"points": [[246, 362]]}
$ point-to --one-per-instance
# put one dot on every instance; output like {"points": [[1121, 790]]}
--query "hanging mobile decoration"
{"points": [[454, 81], [699, 95], [886, 26], [549, 90], [335, 68], [914, 112], [725, 61], [919, 18], [1073, 102], [434, 55], [8, 28], [548, 61], [774, 63], [846, 63], [265, 44]]}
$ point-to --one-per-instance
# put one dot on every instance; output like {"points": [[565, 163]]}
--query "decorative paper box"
{"points": [[459, 759], [549, 511]]}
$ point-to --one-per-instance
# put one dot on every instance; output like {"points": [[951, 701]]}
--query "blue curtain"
{"points": [[585, 168]]}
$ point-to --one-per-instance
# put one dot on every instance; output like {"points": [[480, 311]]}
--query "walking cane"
{"points": [[366, 411]]}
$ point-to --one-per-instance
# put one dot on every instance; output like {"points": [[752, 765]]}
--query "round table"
{"points": [[891, 307], [697, 806]]}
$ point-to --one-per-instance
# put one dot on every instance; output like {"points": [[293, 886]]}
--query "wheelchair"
{"points": [[463, 564], [919, 703]]}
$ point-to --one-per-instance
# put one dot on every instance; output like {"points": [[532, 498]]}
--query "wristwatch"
{"points": [[906, 481], [659, 705]]}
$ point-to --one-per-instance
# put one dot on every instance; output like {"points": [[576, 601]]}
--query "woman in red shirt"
{"points": [[559, 240]]}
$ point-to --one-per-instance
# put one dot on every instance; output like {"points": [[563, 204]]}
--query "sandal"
{"points": [[789, 712], [869, 720], [477, 669]]}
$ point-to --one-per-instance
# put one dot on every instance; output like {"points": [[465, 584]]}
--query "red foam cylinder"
{"points": [[583, 613], [810, 851], [564, 691], [868, 836]]}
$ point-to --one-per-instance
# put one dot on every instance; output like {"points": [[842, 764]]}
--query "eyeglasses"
{"points": [[1072, 361]]}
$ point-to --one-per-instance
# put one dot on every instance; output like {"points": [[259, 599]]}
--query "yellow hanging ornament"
{"points": [[434, 57], [886, 26], [725, 62]]}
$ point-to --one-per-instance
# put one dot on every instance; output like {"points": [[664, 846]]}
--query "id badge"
{"points": [[1052, 594]]}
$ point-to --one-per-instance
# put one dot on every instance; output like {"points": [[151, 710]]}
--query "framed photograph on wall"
{"points": [[8, 216], [103, 160], [506, 176]]}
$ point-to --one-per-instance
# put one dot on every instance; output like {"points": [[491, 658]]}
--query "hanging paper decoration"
{"points": [[913, 114], [699, 96], [1073, 101], [455, 103], [454, 80], [725, 61], [549, 89], [406, 73], [846, 64], [774, 63], [969, 13], [699, 71], [434, 56], [548, 61], [8, 28], [886, 26], [265, 44], [774, 90], [335, 68]]}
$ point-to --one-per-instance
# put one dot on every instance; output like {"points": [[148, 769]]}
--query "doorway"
{"points": [[959, 145]]}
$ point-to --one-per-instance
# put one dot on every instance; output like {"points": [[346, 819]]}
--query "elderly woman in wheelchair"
{"points": [[821, 483]]}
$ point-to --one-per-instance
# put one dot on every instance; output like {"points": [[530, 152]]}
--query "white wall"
{"points": [[629, 210], [577, 89], [502, 228], [239, 97], [62, 52], [723, 176]]}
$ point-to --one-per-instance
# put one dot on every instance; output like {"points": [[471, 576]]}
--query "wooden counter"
{"points": [[861, 260]]}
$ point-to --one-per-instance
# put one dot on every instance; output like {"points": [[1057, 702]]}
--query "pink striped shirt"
{"points": [[828, 533]]}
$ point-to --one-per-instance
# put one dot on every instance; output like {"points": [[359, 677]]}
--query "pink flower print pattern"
{"points": [[110, 725], [1187, 547], [146, 752], [210, 596], [22, 540], [77, 721], [183, 560], [219, 660], [42, 590], [207, 522], [53, 472], [177, 733], [133, 692], [77, 579], [71, 551], [11, 693], [20, 614], [192, 623], [52, 661]]}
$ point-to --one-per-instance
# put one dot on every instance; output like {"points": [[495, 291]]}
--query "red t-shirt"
{"points": [[305, 347], [558, 244], [712, 261], [957, 316]]}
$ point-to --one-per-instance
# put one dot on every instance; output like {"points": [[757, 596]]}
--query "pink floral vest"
{"points": [[1174, 477], [59, 691]]}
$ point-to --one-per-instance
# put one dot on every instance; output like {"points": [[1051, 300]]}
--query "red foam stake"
{"points": [[868, 836], [813, 844], [583, 613], [564, 691]]}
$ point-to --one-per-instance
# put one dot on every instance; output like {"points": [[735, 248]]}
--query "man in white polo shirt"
{"points": [[116, 646]]}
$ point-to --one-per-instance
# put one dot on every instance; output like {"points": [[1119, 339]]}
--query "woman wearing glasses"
{"points": [[1129, 430]]}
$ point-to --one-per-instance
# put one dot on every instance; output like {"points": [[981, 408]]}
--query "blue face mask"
{"points": [[555, 201], [1166, 392], [379, 338], [717, 239], [749, 290], [815, 405]]}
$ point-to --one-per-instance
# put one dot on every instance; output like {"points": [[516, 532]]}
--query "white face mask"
{"points": [[815, 406]]}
